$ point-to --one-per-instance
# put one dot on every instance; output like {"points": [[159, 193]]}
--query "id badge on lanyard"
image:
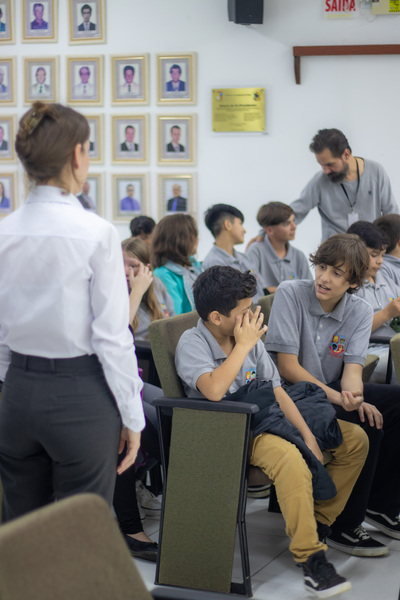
{"points": [[352, 218]]}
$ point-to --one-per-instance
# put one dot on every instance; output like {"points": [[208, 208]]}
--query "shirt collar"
{"points": [[317, 311], [274, 258], [217, 352], [380, 281], [50, 193]]}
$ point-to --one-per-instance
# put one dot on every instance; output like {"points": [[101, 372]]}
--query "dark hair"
{"points": [[221, 288], [40, 69], [129, 127], [86, 7], [215, 216], [141, 224], [129, 68], [333, 139], [390, 225], [173, 239], [344, 249], [175, 67], [46, 140], [37, 4], [273, 213], [370, 234], [175, 127], [84, 67]]}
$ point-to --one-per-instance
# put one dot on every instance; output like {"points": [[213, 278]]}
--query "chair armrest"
{"points": [[379, 339], [195, 403]]}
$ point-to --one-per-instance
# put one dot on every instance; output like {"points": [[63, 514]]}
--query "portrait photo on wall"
{"points": [[6, 22], [7, 193], [7, 79], [7, 127], [130, 79], [129, 139], [85, 80], [175, 194], [90, 194], [176, 78], [39, 21], [96, 138], [129, 196], [86, 22], [40, 80], [176, 140]]}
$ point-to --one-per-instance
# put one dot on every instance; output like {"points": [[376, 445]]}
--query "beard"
{"points": [[339, 176]]}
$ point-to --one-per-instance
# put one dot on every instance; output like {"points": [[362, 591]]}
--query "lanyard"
{"points": [[358, 185]]}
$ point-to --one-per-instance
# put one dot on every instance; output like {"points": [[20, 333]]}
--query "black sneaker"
{"points": [[320, 577], [388, 525], [356, 542]]}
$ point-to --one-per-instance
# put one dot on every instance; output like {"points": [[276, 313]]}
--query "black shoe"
{"points": [[356, 542], [144, 550], [323, 531], [388, 525], [320, 577]]}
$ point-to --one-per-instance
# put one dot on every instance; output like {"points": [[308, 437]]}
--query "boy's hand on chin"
{"points": [[249, 328]]}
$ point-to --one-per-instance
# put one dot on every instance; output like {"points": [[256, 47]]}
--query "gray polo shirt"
{"points": [[218, 256], [378, 295], [391, 268], [198, 352], [274, 269], [322, 341], [166, 306], [374, 198]]}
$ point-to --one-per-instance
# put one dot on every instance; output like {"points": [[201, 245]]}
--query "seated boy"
{"points": [[274, 258], [390, 225], [142, 227], [226, 225], [381, 292], [320, 332], [214, 360]]}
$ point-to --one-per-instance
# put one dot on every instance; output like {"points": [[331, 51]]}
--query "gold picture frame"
{"points": [[87, 22], [7, 81], [130, 77], [39, 23], [7, 33], [41, 82], [129, 139], [176, 78], [129, 196], [176, 143], [85, 80], [171, 199], [7, 137], [8, 193]]}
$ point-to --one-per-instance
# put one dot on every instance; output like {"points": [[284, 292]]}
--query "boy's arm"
{"points": [[293, 415], [388, 313], [352, 380], [248, 330]]}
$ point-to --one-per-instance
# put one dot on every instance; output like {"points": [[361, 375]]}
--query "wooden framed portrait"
{"points": [[7, 81], [90, 194], [7, 193], [129, 196], [130, 79], [176, 77], [96, 125], [40, 79], [175, 194], [7, 22], [85, 85], [7, 128], [129, 135], [39, 21], [86, 22], [176, 140]]}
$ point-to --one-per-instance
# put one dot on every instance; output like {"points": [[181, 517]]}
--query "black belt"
{"points": [[54, 365]]}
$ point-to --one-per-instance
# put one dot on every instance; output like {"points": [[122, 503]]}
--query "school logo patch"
{"points": [[292, 275], [250, 375], [336, 347]]}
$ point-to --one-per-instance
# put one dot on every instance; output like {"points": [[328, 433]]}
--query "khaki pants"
{"points": [[285, 466]]}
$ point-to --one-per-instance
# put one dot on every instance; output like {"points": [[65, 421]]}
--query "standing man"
{"points": [[129, 145], [130, 87], [349, 189], [84, 88], [174, 145], [86, 11], [38, 22], [3, 142], [40, 88]]}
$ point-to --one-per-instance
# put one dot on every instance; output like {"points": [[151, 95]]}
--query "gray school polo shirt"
{"points": [[166, 306], [391, 268], [239, 261], [198, 352], [274, 269], [378, 295], [322, 341]]}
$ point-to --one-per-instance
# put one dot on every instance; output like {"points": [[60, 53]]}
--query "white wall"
{"points": [[356, 94]]}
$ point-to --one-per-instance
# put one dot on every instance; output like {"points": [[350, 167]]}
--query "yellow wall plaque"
{"points": [[238, 109]]}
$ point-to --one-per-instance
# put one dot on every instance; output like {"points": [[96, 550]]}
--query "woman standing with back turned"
{"points": [[66, 356]]}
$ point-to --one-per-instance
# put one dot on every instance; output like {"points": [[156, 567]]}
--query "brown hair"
{"points": [[273, 213], [173, 239], [344, 249], [46, 139], [138, 249], [390, 225]]}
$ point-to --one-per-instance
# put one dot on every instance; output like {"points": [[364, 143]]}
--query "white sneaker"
{"points": [[149, 503]]}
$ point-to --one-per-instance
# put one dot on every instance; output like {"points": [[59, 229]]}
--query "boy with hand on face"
{"points": [[215, 360]]}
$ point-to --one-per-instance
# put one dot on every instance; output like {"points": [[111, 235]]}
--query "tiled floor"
{"points": [[274, 574]]}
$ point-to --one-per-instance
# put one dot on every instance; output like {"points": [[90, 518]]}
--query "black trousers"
{"points": [[378, 486], [59, 432]]}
